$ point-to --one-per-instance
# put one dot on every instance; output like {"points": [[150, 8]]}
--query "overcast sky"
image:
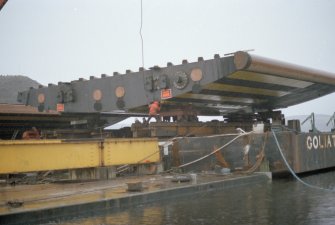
{"points": [[62, 40]]}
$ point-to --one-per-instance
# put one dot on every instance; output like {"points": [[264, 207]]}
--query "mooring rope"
{"points": [[125, 167], [141, 26], [291, 170], [216, 150]]}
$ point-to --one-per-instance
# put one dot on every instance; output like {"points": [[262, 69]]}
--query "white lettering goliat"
{"points": [[320, 142]]}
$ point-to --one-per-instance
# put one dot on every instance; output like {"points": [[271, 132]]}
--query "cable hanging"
{"points": [[142, 46], [291, 170]]}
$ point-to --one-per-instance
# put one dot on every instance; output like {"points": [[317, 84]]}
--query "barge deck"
{"points": [[33, 204]]}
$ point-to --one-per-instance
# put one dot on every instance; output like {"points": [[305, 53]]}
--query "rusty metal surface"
{"points": [[23, 109], [315, 151], [2, 3], [287, 142], [304, 152], [196, 128], [18, 118], [192, 148]]}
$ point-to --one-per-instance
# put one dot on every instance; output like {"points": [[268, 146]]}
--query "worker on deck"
{"points": [[31, 134], [154, 109]]}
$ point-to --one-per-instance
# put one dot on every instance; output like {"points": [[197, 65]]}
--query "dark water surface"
{"points": [[283, 201]]}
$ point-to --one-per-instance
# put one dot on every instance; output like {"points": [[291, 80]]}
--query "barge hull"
{"points": [[304, 152]]}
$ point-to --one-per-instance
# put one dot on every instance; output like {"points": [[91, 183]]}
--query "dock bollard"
{"points": [[135, 186], [193, 178]]}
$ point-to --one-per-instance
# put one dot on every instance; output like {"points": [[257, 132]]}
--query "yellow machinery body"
{"points": [[41, 155]]}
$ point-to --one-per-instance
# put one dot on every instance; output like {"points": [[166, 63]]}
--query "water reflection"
{"points": [[282, 201]]}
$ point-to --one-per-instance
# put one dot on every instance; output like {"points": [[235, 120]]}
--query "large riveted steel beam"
{"points": [[41, 155]]}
